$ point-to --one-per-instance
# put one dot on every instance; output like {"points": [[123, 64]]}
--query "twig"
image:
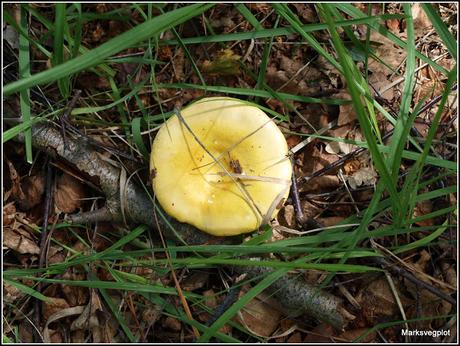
{"points": [[295, 197], [43, 238], [64, 118], [409, 276]]}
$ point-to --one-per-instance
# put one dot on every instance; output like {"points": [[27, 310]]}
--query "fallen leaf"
{"points": [[322, 183], [225, 64], [172, 324], [20, 241], [422, 23], [53, 305], [295, 338], [68, 194], [9, 211], [388, 52], [363, 177], [423, 208], [11, 294], [350, 335], [288, 216], [178, 64], [393, 25], [28, 192], [322, 333], [259, 316], [88, 318], [347, 114], [195, 281], [378, 301]]}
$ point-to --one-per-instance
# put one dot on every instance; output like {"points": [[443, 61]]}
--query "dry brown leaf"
{"points": [[11, 294], [33, 188], [178, 65], [378, 301], [352, 334], [195, 281], [347, 114], [393, 25], [172, 324], [88, 318], [379, 81], [9, 211], [321, 184], [53, 305], [322, 333], [287, 216], [29, 191], [391, 54], [260, 317], [423, 208], [422, 23], [68, 194], [365, 176], [20, 241], [296, 337], [290, 66], [330, 220], [449, 273]]}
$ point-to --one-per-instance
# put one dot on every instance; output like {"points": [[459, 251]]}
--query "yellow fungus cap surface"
{"points": [[234, 186]]}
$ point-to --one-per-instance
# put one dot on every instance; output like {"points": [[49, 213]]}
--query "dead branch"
{"points": [[137, 207]]}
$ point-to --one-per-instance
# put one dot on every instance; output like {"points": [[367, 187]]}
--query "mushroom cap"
{"points": [[234, 186]]}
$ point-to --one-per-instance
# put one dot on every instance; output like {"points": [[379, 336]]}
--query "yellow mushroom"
{"points": [[221, 165]]}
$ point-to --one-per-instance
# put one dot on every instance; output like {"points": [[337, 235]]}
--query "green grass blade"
{"points": [[58, 47], [404, 121], [24, 72], [350, 73], [77, 31], [123, 41], [356, 13], [27, 290], [267, 33]]}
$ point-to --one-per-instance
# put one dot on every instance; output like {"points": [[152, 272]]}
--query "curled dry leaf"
{"points": [[88, 318], [352, 334], [68, 194], [347, 114], [20, 241], [388, 52], [422, 23], [28, 192], [378, 82], [11, 294], [320, 184], [53, 305], [9, 211], [259, 316], [287, 217], [378, 301], [363, 177], [172, 324], [195, 281]]}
